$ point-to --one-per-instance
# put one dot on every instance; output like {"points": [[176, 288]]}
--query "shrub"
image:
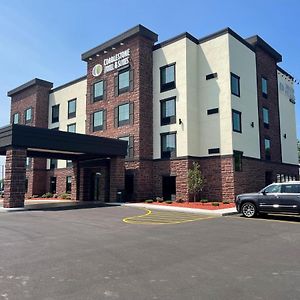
{"points": [[226, 202], [65, 196], [35, 196], [160, 200], [47, 195], [215, 203], [204, 201], [180, 200], [149, 201], [168, 202]]}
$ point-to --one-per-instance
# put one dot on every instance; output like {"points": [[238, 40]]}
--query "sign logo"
{"points": [[97, 70]]}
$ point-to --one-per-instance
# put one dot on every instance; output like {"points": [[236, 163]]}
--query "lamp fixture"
{"points": [[97, 55], [180, 122], [113, 48], [252, 124], [121, 43], [104, 51]]}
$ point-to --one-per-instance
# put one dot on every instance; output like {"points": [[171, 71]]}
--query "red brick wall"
{"points": [[60, 175], [266, 66]]}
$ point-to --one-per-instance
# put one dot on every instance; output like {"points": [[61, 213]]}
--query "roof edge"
{"points": [[175, 39], [139, 29], [74, 81], [33, 82], [285, 73]]}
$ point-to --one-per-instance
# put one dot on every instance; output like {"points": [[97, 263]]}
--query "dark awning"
{"points": [[43, 142]]}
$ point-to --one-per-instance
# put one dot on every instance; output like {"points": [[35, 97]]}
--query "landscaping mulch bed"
{"points": [[197, 205]]}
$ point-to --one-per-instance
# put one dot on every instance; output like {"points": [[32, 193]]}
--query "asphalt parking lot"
{"points": [[94, 253]]}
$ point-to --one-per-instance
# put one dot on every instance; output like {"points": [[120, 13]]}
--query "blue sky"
{"points": [[45, 39]]}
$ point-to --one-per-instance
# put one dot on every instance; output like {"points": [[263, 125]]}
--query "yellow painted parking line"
{"points": [[267, 220], [164, 218]]}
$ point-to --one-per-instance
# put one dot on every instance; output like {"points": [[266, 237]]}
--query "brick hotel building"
{"points": [[221, 101]]}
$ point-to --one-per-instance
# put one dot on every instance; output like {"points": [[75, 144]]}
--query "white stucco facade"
{"points": [[62, 96], [287, 116]]}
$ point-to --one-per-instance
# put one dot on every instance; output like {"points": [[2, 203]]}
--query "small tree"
{"points": [[195, 180]]}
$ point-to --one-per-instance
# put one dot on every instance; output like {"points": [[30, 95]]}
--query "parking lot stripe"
{"points": [[164, 218]]}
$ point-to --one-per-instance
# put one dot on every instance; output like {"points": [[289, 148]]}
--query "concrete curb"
{"points": [[220, 212]]}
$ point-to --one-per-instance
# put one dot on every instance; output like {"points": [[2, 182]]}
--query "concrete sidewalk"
{"points": [[217, 212]]}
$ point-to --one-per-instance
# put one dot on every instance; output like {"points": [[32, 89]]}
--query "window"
{"points": [[98, 120], [168, 111], [69, 163], [98, 91], [53, 163], [129, 140], [267, 149], [236, 121], [211, 76], [266, 117], [167, 78], [123, 81], [274, 188], [68, 184], [290, 188], [235, 85], [72, 128], [71, 108], [168, 145], [124, 114], [55, 113], [264, 87], [16, 118], [28, 115], [213, 150], [212, 111], [237, 155]]}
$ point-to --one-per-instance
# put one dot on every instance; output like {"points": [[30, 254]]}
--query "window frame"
{"points": [[123, 122], [98, 98], [240, 121], [31, 115], [13, 118], [72, 114], [127, 88], [232, 75], [263, 78], [68, 191], [53, 163], [266, 125], [168, 154], [169, 85], [167, 120], [69, 125], [52, 109], [99, 127]]}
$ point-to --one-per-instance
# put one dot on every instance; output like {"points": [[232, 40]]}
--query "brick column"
{"points": [[117, 177], [75, 181], [15, 176]]}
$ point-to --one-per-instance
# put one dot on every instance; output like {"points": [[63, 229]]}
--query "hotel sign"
{"points": [[112, 63], [116, 61]]}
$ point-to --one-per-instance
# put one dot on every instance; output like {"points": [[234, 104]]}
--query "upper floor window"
{"points": [[168, 145], [53, 163], [98, 91], [72, 128], [71, 108], [123, 81], [98, 120], [55, 113], [235, 85], [129, 140], [28, 115], [168, 111], [236, 121], [167, 78], [16, 118], [267, 148], [264, 87], [266, 117], [124, 114]]}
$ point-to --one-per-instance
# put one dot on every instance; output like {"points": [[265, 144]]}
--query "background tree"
{"points": [[195, 180]]}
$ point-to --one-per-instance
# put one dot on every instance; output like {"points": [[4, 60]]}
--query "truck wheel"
{"points": [[249, 210]]}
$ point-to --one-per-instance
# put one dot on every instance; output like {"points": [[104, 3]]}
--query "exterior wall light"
{"points": [[180, 122], [252, 124]]}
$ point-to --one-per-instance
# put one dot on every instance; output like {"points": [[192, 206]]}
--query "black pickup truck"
{"points": [[275, 198]]}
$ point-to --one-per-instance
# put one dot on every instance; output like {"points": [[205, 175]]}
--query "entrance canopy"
{"points": [[47, 143]]}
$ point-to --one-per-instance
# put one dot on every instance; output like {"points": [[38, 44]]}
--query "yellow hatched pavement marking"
{"points": [[163, 218]]}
